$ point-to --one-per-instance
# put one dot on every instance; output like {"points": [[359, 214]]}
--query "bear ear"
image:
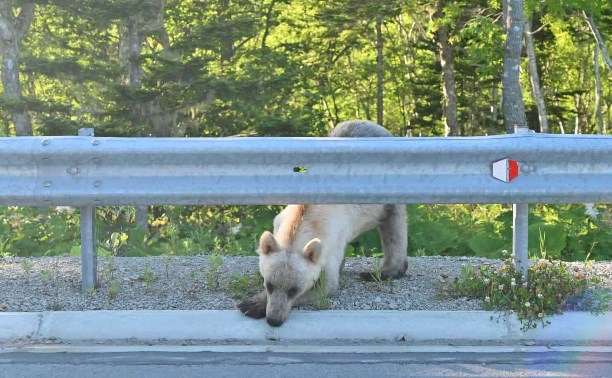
{"points": [[267, 243], [312, 250]]}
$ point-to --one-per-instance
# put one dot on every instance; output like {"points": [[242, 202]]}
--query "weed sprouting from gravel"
{"points": [[377, 279], [149, 280], [244, 286], [548, 286], [320, 297], [113, 289], [167, 262], [214, 274], [26, 265]]}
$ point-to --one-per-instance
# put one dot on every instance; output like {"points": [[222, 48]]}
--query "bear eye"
{"points": [[292, 292], [269, 288]]}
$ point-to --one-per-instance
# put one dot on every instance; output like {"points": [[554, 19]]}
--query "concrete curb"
{"points": [[418, 326]]}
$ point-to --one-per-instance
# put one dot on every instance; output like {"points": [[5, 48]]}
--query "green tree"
{"points": [[15, 20]]}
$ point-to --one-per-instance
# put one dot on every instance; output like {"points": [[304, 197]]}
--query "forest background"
{"points": [[187, 68]]}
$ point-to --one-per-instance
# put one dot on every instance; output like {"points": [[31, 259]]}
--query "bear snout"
{"points": [[274, 322]]}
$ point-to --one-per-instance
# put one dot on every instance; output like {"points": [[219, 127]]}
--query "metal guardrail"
{"points": [[87, 171]]}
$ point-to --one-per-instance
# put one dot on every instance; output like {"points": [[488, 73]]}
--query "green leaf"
{"points": [[435, 238], [546, 240], [486, 245]]}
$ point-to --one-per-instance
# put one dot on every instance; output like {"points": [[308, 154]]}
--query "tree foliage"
{"points": [[285, 67]]}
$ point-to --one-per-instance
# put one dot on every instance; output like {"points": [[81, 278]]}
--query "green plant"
{"points": [[564, 232], [108, 274], [377, 279], [213, 275], [149, 280], [320, 296], [167, 262], [4, 241], [26, 265], [548, 286], [50, 280], [192, 286], [542, 244], [109, 269], [113, 289], [244, 286], [44, 275]]}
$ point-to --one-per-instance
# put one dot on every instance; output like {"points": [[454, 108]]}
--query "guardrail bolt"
{"points": [[95, 142], [45, 142], [526, 168], [47, 184], [73, 170], [97, 184]]}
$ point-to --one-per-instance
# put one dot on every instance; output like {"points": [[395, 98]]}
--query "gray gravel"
{"points": [[185, 283]]}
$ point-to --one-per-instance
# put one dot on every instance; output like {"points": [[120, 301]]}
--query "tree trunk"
{"points": [[130, 46], [536, 91], [600, 42], [578, 102], [581, 120], [268, 25], [514, 108], [12, 30], [447, 62], [379, 71], [494, 103], [227, 42], [598, 92]]}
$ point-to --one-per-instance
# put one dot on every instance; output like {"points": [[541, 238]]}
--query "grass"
{"points": [[320, 297], [213, 277], [148, 278], [27, 268], [113, 289], [50, 280], [377, 279], [241, 287]]}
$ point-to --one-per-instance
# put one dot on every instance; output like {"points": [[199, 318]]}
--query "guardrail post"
{"points": [[520, 227], [520, 233], [89, 257]]}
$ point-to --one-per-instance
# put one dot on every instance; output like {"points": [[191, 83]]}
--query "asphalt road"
{"points": [[264, 364]]}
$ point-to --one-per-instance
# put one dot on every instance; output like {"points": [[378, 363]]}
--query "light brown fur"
{"points": [[311, 239], [289, 227]]}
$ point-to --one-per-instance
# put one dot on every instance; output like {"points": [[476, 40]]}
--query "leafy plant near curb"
{"points": [[50, 280], [27, 268], [245, 286], [547, 288], [320, 297], [148, 278], [384, 285], [214, 275]]}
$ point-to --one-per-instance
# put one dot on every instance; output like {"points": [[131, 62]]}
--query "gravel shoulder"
{"points": [[190, 283]]}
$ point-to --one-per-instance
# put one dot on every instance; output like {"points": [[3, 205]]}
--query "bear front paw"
{"points": [[253, 309]]}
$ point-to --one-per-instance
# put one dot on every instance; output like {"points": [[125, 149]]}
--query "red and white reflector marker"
{"points": [[506, 170]]}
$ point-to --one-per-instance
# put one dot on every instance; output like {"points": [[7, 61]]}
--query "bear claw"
{"points": [[252, 309]]}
